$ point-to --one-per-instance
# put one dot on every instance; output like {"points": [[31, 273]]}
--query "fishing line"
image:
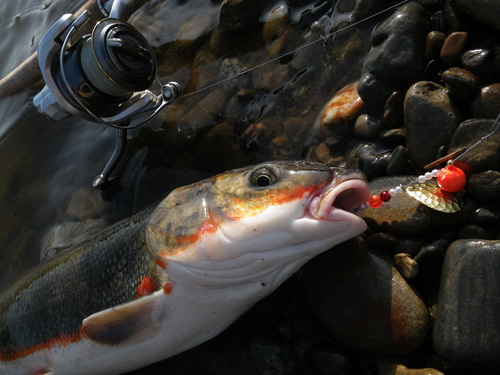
{"points": [[314, 42]]}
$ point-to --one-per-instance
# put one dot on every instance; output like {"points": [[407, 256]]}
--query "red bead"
{"points": [[375, 201], [385, 196], [451, 179]]}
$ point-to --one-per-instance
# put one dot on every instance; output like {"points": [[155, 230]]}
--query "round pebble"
{"points": [[367, 127], [452, 48]]}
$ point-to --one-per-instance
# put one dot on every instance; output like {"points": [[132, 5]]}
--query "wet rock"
{"points": [[367, 127], [433, 71], [487, 103], [406, 265], [453, 47], [473, 231], [479, 61], [398, 161], [329, 360], [205, 112], [433, 252], [393, 110], [343, 108], [232, 68], [401, 37], [484, 157], [433, 43], [485, 11], [369, 159], [85, 203], [275, 23], [239, 15], [460, 82], [484, 186], [362, 301], [467, 325], [394, 137], [381, 240], [426, 134]]}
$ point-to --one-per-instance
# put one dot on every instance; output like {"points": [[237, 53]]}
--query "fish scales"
{"points": [[99, 274]]}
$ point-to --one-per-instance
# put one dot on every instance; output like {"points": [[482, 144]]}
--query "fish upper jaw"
{"points": [[339, 201]]}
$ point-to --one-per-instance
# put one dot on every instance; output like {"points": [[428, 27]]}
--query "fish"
{"points": [[177, 274]]}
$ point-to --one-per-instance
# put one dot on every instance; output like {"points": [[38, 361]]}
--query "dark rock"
{"points": [[393, 110], [479, 61], [229, 71], [433, 43], [426, 134], [467, 324], [394, 137], [239, 15], [362, 301], [396, 57], [398, 161], [205, 111], [452, 48], [330, 361], [485, 11], [483, 157], [433, 71], [273, 357], [473, 232], [367, 158], [367, 127], [410, 245], [381, 240], [487, 103], [484, 186], [432, 253], [461, 83]]}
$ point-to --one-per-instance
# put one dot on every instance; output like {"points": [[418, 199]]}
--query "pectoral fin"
{"points": [[127, 324]]}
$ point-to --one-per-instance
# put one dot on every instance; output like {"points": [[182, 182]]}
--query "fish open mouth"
{"points": [[337, 199]]}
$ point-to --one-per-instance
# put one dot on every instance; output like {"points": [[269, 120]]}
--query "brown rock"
{"points": [[452, 48], [433, 43], [487, 103], [362, 301]]}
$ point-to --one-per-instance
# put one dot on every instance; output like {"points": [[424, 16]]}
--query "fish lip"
{"points": [[334, 200]]}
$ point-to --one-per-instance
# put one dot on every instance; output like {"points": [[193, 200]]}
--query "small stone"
{"points": [[205, 112], [433, 71], [484, 186], [230, 74], [84, 204], [453, 47], [240, 15], [385, 368], [461, 83], [363, 302], [398, 161], [432, 253], [367, 127], [394, 137], [369, 159], [275, 23], [433, 43], [393, 111], [467, 325], [487, 103], [406, 265], [345, 106], [426, 134], [479, 61]]}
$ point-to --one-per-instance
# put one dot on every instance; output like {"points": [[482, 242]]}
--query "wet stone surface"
{"points": [[387, 97]]}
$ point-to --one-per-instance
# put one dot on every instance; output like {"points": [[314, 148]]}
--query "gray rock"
{"points": [[396, 56], [467, 324], [362, 301], [367, 127], [430, 121], [479, 61], [485, 11]]}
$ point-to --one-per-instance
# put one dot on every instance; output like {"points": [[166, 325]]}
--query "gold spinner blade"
{"points": [[431, 195]]}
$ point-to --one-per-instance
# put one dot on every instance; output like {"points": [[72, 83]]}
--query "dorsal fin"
{"points": [[127, 324]]}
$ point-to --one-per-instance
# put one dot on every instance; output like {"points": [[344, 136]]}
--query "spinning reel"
{"points": [[103, 77]]}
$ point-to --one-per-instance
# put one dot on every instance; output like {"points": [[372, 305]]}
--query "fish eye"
{"points": [[262, 177]]}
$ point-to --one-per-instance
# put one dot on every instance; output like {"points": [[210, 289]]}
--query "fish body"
{"points": [[174, 276]]}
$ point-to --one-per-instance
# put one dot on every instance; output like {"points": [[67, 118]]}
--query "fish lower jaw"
{"points": [[339, 202]]}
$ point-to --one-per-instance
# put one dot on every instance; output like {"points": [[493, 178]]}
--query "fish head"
{"points": [[259, 223]]}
